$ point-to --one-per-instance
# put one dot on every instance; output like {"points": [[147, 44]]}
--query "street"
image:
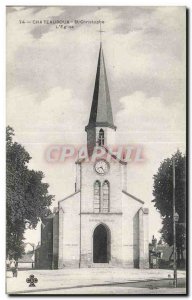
{"points": [[96, 281]]}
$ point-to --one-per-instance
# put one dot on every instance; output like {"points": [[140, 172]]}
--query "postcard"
{"points": [[96, 150]]}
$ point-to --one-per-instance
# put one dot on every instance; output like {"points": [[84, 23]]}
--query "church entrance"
{"points": [[101, 244]]}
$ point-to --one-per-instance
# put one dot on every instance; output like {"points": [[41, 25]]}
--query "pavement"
{"points": [[97, 281]]}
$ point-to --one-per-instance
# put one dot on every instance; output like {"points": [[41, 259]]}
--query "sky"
{"points": [[50, 81]]}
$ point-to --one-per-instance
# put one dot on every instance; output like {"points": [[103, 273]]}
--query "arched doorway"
{"points": [[101, 244]]}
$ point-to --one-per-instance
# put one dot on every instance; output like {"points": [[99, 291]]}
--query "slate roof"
{"points": [[101, 111]]}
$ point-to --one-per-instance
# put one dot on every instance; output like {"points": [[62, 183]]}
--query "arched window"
{"points": [[97, 196], [106, 195], [101, 137]]}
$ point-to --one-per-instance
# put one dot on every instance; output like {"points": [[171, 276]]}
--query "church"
{"points": [[101, 224]]}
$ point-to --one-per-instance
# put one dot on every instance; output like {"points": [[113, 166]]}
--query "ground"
{"points": [[97, 281]]}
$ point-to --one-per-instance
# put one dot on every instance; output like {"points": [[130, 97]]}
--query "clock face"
{"points": [[101, 167]]}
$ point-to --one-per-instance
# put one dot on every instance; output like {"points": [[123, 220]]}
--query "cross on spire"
{"points": [[100, 31]]}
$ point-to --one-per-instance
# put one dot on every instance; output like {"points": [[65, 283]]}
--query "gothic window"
{"points": [[105, 198], [101, 137], [97, 196]]}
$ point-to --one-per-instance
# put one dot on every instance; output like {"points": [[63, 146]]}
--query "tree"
{"points": [[28, 199], [163, 199]]}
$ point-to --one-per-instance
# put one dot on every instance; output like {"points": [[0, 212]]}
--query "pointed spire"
{"points": [[101, 111]]}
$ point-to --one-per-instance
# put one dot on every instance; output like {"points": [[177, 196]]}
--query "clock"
{"points": [[101, 167]]}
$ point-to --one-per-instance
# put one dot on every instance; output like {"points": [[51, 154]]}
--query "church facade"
{"points": [[101, 224]]}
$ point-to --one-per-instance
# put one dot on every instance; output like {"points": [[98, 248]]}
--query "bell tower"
{"points": [[101, 116]]}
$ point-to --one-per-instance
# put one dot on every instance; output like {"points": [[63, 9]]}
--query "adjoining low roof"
{"points": [[38, 246], [69, 196], [133, 197], [125, 192]]}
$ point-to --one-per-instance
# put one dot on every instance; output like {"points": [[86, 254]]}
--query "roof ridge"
{"points": [[69, 196], [135, 198]]}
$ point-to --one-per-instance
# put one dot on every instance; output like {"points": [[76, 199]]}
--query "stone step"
{"points": [[101, 265]]}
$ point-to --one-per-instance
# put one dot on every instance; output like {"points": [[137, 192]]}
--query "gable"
{"points": [[69, 197], [133, 197]]}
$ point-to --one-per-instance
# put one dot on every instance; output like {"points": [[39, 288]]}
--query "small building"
{"points": [[160, 255]]}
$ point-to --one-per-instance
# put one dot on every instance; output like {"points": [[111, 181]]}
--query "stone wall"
{"points": [[113, 222], [143, 239], [89, 176], [55, 241], [69, 231], [130, 243], [127, 222]]}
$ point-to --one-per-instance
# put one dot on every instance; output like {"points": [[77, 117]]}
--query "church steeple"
{"points": [[101, 111], [101, 116]]}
